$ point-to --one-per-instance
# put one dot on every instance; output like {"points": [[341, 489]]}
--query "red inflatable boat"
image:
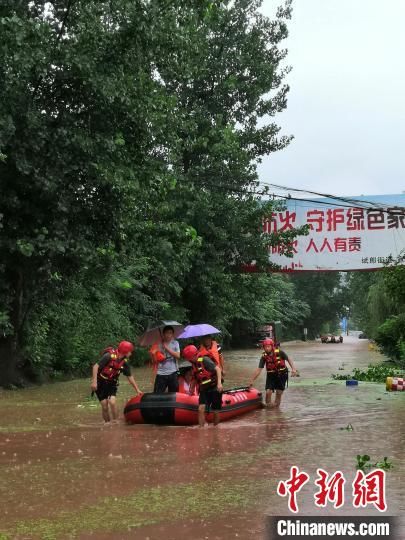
{"points": [[182, 409]]}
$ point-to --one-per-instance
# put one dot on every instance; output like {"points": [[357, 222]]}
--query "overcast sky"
{"points": [[346, 106]]}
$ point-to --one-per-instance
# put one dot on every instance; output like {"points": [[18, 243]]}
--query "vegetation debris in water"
{"points": [[377, 373], [364, 463], [349, 427]]}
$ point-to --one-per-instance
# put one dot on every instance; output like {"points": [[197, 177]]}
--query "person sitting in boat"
{"points": [[274, 360], [208, 376], [186, 385], [106, 373], [209, 347]]}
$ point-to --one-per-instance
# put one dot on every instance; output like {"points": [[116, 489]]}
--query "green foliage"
{"points": [[349, 427], [69, 336], [259, 298], [394, 279], [369, 303], [364, 463], [378, 373], [325, 296], [94, 310], [391, 337], [66, 179], [385, 465], [140, 357], [130, 133], [378, 307], [5, 325]]}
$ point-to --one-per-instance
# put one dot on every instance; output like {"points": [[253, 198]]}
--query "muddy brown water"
{"points": [[64, 475]]}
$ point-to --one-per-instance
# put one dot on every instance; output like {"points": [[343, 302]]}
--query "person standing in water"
{"points": [[208, 376], [106, 373], [274, 360]]}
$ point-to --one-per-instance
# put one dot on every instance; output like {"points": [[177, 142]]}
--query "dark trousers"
{"points": [[169, 382], [106, 389], [276, 380]]}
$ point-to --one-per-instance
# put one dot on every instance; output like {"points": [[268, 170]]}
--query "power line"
{"points": [[350, 203]]}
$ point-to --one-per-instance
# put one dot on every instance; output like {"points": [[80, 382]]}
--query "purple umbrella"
{"points": [[198, 330]]}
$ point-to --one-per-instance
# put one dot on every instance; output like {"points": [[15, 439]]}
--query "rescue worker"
{"points": [[274, 360], [209, 347], [208, 376], [106, 373]]}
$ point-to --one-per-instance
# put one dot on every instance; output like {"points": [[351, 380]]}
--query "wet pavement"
{"points": [[64, 475]]}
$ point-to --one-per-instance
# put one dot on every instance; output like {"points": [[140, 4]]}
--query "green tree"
{"points": [[74, 77], [391, 334], [324, 293], [394, 280], [130, 132], [227, 78], [369, 303], [378, 306]]}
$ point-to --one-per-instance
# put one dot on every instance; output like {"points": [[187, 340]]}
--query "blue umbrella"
{"points": [[198, 330]]}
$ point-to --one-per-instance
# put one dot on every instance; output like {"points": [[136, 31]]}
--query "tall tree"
{"points": [[226, 78], [325, 294], [130, 132], [378, 305], [74, 76]]}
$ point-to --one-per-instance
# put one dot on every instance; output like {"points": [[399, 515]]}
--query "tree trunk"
{"points": [[10, 345], [8, 361]]}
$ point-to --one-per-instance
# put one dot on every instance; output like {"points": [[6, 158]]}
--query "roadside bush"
{"points": [[68, 336], [140, 357], [391, 338]]}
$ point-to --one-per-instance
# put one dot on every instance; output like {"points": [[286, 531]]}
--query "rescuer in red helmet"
{"points": [[274, 359], [208, 376], [106, 373], [209, 347]]}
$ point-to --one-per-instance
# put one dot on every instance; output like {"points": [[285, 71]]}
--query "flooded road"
{"points": [[64, 475]]}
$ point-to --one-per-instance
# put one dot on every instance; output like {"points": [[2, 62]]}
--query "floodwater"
{"points": [[64, 475]]}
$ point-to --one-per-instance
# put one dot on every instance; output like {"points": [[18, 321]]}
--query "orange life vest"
{"points": [[205, 378], [274, 362], [112, 370], [212, 353], [156, 355]]}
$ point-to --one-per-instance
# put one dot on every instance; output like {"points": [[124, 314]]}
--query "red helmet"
{"points": [[125, 347], [267, 342], [190, 352]]}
